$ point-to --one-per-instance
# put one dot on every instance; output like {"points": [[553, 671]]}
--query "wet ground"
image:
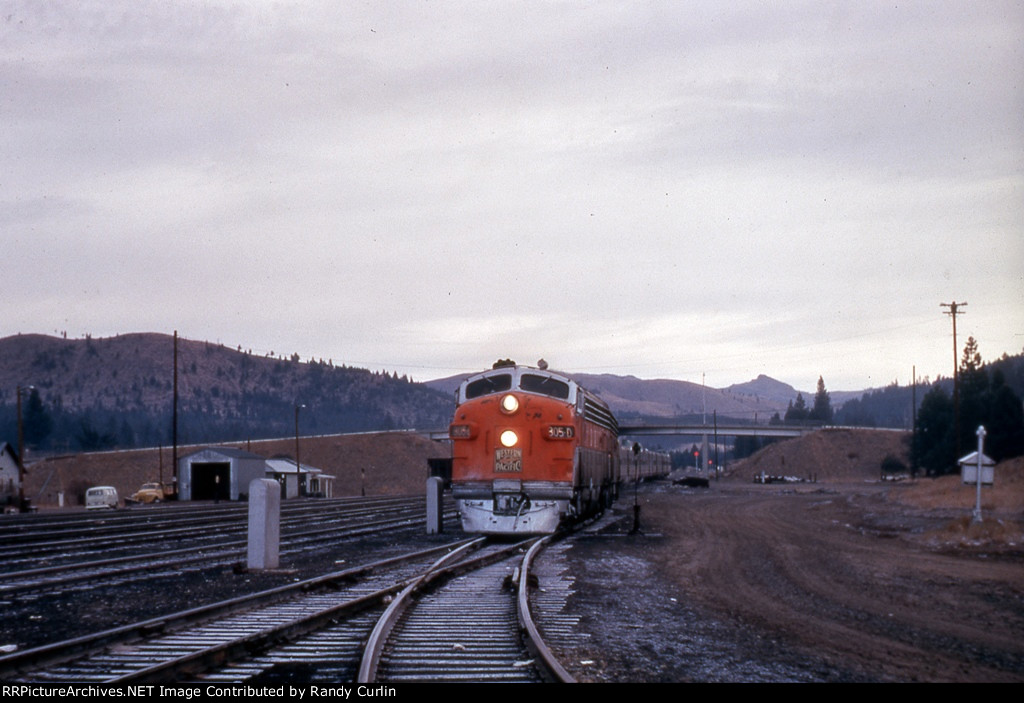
{"points": [[741, 583], [658, 635]]}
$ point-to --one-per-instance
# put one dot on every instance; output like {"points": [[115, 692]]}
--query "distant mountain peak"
{"points": [[764, 386]]}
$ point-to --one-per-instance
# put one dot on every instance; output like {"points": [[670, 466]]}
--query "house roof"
{"points": [[972, 460], [6, 448], [225, 451], [287, 466]]}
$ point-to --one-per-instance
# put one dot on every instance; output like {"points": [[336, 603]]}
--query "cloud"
{"points": [[647, 187]]}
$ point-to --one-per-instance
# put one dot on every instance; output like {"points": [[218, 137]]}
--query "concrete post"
{"points": [[264, 523], [435, 517]]}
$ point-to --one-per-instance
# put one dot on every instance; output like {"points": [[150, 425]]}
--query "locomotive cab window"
{"points": [[488, 385], [545, 385]]}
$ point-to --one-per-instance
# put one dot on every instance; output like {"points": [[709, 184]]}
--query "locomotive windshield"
{"points": [[489, 384], [530, 382], [544, 384]]}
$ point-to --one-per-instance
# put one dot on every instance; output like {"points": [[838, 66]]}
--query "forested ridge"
{"points": [[91, 394], [117, 392]]}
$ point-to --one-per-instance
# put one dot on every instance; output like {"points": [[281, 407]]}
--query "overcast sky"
{"points": [[662, 189]]}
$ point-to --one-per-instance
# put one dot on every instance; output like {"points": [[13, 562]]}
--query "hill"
{"points": [[385, 463], [634, 398], [765, 387], [837, 454], [94, 394], [118, 392]]}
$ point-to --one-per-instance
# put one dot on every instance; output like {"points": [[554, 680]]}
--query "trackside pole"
{"points": [[264, 523], [977, 499], [435, 487], [636, 485]]}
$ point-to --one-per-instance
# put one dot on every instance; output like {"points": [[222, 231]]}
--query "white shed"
{"points": [[317, 482], [218, 473], [969, 469]]}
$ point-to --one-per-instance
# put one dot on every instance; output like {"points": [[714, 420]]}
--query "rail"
{"points": [[534, 640], [36, 659]]}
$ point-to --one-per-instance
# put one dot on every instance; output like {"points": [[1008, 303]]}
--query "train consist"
{"points": [[641, 464], [532, 449]]}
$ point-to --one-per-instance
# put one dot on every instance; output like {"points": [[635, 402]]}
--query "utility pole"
{"points": [[22, 505], [954, 310], [716, 443], [174, 420], [298, 466], [636, 487], [704, 421], [913, 423]]}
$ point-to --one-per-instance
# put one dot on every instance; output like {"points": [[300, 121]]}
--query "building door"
{"points": [[211, 480]]}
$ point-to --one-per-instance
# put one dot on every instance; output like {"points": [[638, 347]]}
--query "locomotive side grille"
{"points": [[599, 415]]}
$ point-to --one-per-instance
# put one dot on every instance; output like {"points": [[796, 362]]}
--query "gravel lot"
{"points": [[819, 582]]}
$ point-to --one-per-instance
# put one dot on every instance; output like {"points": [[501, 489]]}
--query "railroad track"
{"points": [[185, 644], [476, 626], [69, 538], [314, 630], [55, 578]]}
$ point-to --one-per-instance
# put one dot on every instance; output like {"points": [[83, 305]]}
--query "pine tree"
{"points": [[1005, 420], [993, 405], [933, 446], [822, 410], [797, 412], [37, 422], [974, 395]]}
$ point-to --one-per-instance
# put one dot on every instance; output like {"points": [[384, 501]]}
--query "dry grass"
{"points": [[1005, 497], [991, 531], [856, 455], [1002, 508]]}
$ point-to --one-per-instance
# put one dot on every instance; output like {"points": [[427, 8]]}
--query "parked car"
{"points": [[99, 497], [149, 493]]}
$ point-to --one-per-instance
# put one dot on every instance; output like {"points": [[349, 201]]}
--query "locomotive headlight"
{"points": [[509, 404], [509, 438]]}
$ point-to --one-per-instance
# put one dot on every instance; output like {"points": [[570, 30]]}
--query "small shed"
{"points": [[317, 482], [218, 473], [10, 477], [969, 469]]}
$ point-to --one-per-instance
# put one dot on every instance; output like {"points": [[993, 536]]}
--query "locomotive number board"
{"points": [[508, 460]]}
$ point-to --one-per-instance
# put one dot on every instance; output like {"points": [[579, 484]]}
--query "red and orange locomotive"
{"points": [[531, 449]]}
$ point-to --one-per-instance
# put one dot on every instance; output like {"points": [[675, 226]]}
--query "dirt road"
{"points": [[815, 583]]}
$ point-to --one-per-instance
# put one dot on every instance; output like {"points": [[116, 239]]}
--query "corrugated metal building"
{"points": [[218, 473]]}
